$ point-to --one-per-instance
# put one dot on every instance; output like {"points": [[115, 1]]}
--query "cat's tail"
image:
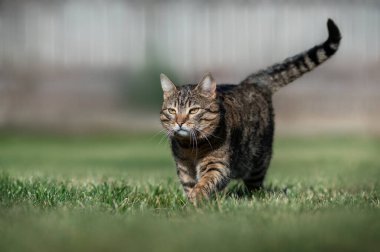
{"points": [[278, 75]]}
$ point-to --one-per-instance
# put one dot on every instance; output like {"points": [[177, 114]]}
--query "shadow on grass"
{"points": [[240, 191]]}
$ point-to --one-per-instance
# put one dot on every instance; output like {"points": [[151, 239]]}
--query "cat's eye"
{"points": [[171, 111], [193, 111]]}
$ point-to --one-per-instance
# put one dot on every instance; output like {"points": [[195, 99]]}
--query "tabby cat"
{"points": [[224, 132]]}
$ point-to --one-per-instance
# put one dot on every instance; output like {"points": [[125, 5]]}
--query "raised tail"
{"points": [[278, 75]]}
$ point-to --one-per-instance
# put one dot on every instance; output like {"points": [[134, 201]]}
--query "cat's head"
{"points": [[190, 111]]}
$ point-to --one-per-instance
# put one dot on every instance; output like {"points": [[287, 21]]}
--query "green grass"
{"points": [[120, 193]]}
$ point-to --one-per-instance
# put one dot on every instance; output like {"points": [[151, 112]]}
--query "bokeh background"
{"points": [[77, 66]]}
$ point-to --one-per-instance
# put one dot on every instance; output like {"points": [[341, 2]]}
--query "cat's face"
{"points": [[190, 111]]}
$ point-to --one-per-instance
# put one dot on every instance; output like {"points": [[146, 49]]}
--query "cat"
{"points": [[223, 132]]}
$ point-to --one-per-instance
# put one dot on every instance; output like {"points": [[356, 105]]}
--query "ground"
{"points": [[96, 193]]}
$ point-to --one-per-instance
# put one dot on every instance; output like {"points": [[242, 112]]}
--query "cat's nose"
{"points": [[180, 124], [180, 120]]}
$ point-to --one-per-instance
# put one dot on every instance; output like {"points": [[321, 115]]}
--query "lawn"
{"points": [[97, 193]]}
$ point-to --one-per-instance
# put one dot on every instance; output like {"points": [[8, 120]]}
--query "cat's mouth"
{"points": [[182, 133]]}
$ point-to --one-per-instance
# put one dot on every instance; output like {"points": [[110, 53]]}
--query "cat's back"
{"points": [[244, 102]]}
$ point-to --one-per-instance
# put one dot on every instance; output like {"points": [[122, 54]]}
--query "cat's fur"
{"points": [[224, 132]]}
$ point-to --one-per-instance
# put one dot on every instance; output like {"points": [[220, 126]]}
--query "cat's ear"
{"points": [[207, 86], [167, 86]]}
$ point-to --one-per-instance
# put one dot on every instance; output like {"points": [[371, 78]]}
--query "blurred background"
{"points": [[83, 166], [77, 66]]}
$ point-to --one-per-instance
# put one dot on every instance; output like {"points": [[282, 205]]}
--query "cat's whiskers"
{"points": [[215, 136], [203, 135], [168, 134], [196, 142], [162, 139], [191, 142], [162, 136], [157, 133]]}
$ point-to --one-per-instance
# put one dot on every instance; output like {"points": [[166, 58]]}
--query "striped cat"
{"points": [[224, 132]]}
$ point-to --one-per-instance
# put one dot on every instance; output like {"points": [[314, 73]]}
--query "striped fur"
{"points": [[292, 68], [224, 132]]}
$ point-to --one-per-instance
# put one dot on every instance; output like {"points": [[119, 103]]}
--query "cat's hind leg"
{"points": [[253, 184], [255, 178]]}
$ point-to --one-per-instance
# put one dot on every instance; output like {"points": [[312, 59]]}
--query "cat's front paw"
{"points": [[197, 195]]}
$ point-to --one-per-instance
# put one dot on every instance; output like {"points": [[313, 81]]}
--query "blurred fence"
{"points": [[71, 65]]}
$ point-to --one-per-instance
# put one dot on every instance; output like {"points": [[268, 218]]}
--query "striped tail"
{"points": [[292, 68]]}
